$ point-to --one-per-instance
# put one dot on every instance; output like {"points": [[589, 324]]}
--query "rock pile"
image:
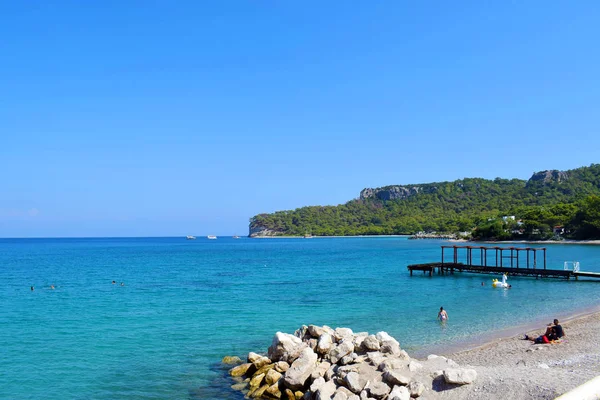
{"points": [[323, 363]]}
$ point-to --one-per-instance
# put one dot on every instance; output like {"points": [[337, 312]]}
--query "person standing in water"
{"points": [[443, 315]]}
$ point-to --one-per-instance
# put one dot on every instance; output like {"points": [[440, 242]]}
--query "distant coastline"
{"points": [[566, 241]]}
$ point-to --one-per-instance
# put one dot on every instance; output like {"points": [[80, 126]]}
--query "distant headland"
{"points": [[551, 205]]}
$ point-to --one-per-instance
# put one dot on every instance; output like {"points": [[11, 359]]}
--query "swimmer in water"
{"points": [[443, 315]]}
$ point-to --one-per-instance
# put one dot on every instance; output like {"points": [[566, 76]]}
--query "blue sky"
{"points": [[159, 118]]}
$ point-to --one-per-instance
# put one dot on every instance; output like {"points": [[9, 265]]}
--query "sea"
{"points": [[178, 306]]}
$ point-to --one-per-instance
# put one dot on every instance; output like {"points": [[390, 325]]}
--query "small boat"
{"points": [[236, 237], [190, 237], [211, 237]]}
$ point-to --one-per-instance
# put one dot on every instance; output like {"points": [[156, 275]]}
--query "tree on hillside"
{"points": [[587, 220]]}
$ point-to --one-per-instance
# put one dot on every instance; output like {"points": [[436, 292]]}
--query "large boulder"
{"points": [[317, 331], [384, 337], [321, 369], [391, 347], [243, 369], [272, 376], [257, 380], [343, 334], [396, 378], [371, 343], [393, 363], [460, 376], [378, 390], [325, 391], [343, 349], [354, 382], [358, 340], [301, 369], [285, 347], [325, 343]]}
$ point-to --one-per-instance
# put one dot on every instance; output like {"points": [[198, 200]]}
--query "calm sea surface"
{"points": [[186, 304]]}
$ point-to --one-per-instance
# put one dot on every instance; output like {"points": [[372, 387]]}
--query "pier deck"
{"points": [[516, 266]]}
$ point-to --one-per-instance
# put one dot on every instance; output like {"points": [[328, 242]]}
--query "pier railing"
{"points": [[512, 255], [519, 261]]}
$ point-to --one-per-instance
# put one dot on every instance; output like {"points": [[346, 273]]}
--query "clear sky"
{"points": [[161, 118]]}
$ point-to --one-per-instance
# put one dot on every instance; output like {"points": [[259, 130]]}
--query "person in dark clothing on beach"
{"points": [[557, 330]]}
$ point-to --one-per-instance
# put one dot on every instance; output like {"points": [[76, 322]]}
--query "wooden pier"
{"points": [[516, 261]]}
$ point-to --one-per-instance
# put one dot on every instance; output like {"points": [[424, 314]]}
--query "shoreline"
{"points": [[513, 368], [490, 338], [566, 241]]}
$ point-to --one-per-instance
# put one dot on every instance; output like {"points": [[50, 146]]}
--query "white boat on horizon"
{"points": [[236, 237], [212, 237], [190, 237]]}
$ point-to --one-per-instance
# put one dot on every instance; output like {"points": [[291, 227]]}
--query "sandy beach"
{"points": [[514, 368]]}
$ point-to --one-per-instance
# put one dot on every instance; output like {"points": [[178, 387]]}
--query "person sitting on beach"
{"points": [[545, 338], [442, 315], [557, 331]]}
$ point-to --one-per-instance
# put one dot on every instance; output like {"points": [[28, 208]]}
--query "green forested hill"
{"points": [[547, 199]]}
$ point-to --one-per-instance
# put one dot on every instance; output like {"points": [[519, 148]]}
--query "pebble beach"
{"points": [[514, 368]]}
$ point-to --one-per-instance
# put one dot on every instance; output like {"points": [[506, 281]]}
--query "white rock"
{"points": [[325, 343], [379, 390], [390, 346], [326, 391], [321, 369], [316, 331], [396, 378], [399, 393], [403, 355], [544, 366], [285, 347], [414, 366], [376, 358], [343, 349], [339, 395], [354, 382], [416, 388], [358, 339], [384, 337], [371, 343], [392, 364], [344, 334], [317, 383], [461, 376], [301, 369]]}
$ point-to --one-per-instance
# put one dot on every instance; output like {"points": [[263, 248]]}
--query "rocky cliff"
{"points": [[548, 177]]}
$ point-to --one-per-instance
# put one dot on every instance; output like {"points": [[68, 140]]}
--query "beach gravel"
{"points": [[513, 368]]}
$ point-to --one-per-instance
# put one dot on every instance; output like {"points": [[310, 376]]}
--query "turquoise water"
{"points": [[186, 304]]}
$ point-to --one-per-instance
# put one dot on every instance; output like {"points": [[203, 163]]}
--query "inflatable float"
{"points": [[500, 284]]}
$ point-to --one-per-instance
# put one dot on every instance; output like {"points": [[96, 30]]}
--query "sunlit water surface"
{"points": [[187, 303]]}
